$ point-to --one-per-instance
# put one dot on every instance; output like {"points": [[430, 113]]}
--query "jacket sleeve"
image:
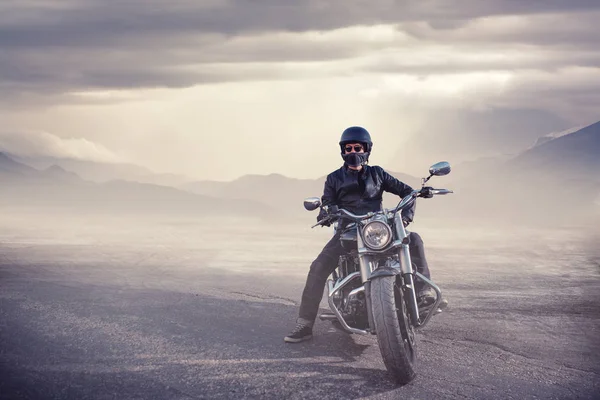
{"points": [[393, 185], [329, 196]]}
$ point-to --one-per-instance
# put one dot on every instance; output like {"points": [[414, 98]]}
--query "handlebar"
{"points": [[347, 214], [406, 201]]}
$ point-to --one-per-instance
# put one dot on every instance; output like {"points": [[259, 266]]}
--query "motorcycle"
{"points": [[372, 290]]}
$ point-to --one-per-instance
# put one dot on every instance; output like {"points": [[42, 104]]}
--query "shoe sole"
{"points": [[292, 340], [443, 304]]}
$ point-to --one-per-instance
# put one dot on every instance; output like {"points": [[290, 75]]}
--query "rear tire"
{"points": [[395, 334]]}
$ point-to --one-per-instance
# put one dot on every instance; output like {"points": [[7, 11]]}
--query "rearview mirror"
{"points": [[312, 203], [440, 169]]}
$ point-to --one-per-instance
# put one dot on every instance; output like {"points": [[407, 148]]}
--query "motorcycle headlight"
{"points": [[377, 235]]}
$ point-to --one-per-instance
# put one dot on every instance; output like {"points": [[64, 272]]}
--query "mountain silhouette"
{"points": [[56, 188], [99, 172], [573, 156], [8, 166], [556, 179]]}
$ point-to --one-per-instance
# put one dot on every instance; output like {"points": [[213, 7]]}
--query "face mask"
{"points": [[355, 159]]}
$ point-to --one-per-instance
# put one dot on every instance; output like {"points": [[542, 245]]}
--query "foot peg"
{"points": [[327, 316]]}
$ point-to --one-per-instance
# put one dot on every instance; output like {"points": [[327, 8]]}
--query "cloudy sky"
{"points": [[216, 89]]}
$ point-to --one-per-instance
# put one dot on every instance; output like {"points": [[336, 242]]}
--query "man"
{"points": [[358, 188]]}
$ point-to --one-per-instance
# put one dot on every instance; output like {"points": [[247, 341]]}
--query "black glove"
{"points": [[322, 215], [427, 192], [406, 221]]}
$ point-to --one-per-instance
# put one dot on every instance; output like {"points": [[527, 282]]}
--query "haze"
{"points": [[223, 89]]}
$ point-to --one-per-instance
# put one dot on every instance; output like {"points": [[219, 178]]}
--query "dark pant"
{"points": [[327, 261]]}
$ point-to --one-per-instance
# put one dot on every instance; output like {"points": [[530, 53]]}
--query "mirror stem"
{"points": [[425, 180]]}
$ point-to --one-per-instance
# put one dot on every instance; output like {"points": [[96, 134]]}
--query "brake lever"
{"points": [[330, 217], [321, 222]]}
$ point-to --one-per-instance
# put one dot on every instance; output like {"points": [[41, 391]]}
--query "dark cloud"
{"points": [[91, 23], [49, 47], [553, 30], [544, 61], [101, 21]]}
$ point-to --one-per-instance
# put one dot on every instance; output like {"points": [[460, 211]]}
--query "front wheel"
{"points": [[395, 334]]}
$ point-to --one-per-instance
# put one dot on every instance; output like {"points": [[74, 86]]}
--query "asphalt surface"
{"points": [[165, 313]]}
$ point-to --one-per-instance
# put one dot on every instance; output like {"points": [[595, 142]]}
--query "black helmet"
{"points": [[356, 134]]}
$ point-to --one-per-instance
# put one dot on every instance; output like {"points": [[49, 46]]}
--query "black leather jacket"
{"points": [[361, 191]]}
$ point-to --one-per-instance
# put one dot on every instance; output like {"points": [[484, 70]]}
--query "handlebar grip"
{"points": [[441, 191]]}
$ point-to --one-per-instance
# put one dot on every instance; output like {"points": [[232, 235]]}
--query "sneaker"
{"points": [[300, 333], [426, 296]]}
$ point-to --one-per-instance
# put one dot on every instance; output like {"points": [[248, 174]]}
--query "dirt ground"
{"points": [[123, 308]]}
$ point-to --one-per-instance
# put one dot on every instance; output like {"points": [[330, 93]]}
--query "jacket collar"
{"points": [[349, 171]]}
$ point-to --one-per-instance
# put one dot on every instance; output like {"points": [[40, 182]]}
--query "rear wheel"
{"points": [[395, 334]]}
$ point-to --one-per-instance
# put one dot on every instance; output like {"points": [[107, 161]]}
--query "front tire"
{"points": [[395, 334]]}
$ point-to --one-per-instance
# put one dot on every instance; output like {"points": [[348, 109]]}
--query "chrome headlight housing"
{"points": [[377, 235]]}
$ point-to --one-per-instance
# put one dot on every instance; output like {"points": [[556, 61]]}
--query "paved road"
{"points": [[93, 319]]}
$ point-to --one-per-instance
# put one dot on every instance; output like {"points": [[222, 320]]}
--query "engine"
{"points": [[354, 305]]}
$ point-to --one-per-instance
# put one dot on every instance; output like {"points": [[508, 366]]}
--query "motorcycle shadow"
{"points": [[345, 358], [332, 355], [332, 341]]}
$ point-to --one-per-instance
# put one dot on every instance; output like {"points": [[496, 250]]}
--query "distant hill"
{"points": [[272, 194], [273, 190], [572, 156], [558, 179], [25, 187], [12, 168], [554, 135], [103, 171], [60, 174]]}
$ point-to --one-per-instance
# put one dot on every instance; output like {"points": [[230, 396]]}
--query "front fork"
{"points": [[408, 280]]}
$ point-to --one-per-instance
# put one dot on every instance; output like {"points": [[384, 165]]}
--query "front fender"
{"points": [[384, 271]]}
